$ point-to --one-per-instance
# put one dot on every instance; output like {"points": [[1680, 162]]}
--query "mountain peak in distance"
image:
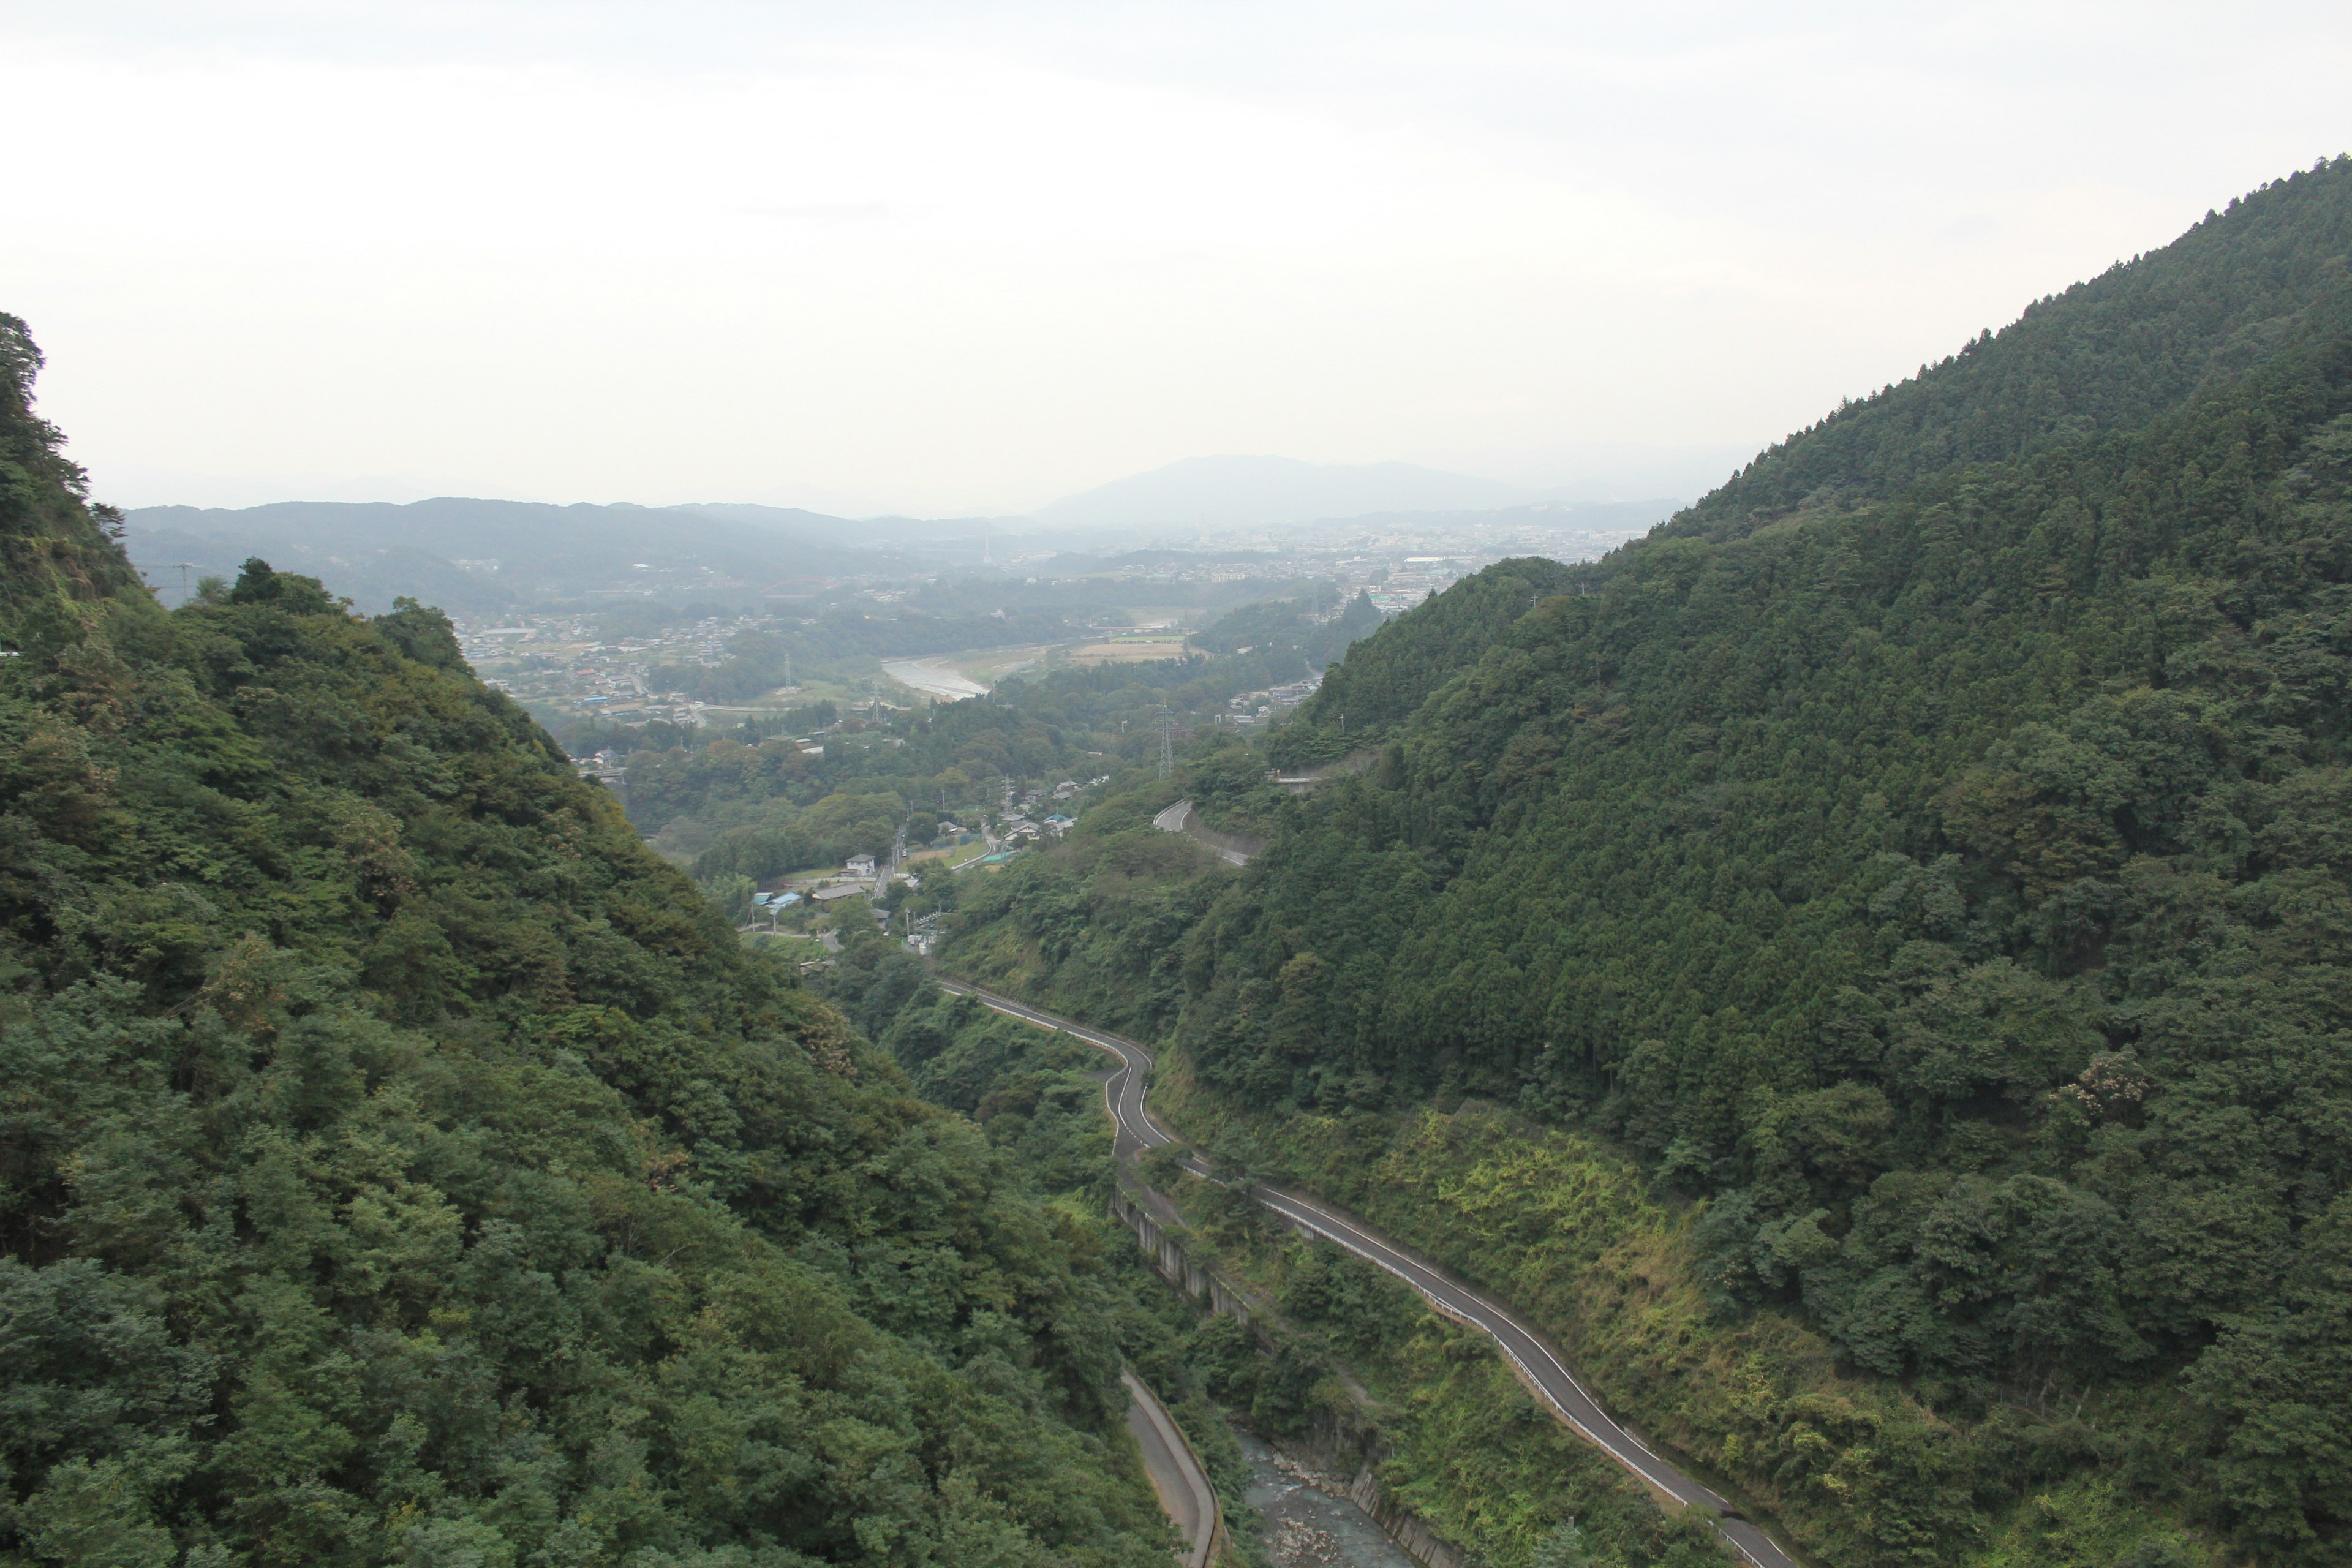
{"points": [[1240, 491]]}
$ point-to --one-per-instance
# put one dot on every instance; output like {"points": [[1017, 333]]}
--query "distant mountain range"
{"points": [[478, 555], [1243, 491]]}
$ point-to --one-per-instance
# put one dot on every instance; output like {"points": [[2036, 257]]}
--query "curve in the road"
{"points": [[1179, 818], [1185, 1494], [1539, 1365]]}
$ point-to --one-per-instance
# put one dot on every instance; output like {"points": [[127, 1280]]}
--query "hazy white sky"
{"points": [[970, 256]]}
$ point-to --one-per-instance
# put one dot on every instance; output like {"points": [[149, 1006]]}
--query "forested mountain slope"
{"points": [[398, 1162], [2138, 340], [1952, 887], [1943, 881], [1388, 676]]}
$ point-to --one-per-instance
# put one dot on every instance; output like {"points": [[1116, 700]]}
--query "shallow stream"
{"points": [[1309, 1522]]}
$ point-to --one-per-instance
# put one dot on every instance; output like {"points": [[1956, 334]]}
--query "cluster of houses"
{"points": [[1016, 825], [854, 878], [1252, 707], [1025, 820]]}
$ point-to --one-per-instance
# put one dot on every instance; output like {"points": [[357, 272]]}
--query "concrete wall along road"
{"points": [[1342, 1445], [1177, 1474]]}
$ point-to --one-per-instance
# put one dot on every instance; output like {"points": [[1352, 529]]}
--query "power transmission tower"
{"points": [[183, 566], [1167, 743]]}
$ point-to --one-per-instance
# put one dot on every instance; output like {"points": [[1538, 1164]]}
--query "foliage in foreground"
{"points": [[1465, 1447], [400, 1164]]}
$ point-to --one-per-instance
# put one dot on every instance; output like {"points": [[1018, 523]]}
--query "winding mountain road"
{"points": [[1179, 818], [1539, 1364]]}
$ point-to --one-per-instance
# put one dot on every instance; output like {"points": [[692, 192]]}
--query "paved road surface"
{"points": [[1176, 1474], [1569, 1399], [1178, 819]]}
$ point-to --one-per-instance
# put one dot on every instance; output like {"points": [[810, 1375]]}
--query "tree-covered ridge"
{"points": [[1389, 674], [2108, 354], [400, 1162], [54, 546], [1943, 886], [1952, 889], [1287, 625]]}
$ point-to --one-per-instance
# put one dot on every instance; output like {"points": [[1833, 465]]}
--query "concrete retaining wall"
{"points": [[1210, 1545], [1341, 1445]]}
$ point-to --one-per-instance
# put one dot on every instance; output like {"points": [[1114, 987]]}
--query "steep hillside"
{"points": [[56, 549], [1389, 675], [1942, 882], [398, 1162], [2138, 340]]}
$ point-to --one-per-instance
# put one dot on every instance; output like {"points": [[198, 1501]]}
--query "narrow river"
{"points": [[933, 678], [1309, 1522]]}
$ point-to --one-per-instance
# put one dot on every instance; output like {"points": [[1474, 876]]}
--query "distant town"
{"points": [[573, 665]]}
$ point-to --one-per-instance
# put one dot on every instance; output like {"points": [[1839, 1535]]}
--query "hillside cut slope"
{"points": [[400, 1164]]}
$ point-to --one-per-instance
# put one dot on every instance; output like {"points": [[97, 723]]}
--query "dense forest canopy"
{"points": [[1929, 853], [1382, 683], [2138, 340], [400, 1162]]}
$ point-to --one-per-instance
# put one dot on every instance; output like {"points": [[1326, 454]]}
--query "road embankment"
{"points": [[1541, 1366], [1176, 1472]]}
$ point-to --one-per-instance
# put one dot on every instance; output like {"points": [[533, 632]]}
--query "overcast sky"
{"points": [[970, 256]]}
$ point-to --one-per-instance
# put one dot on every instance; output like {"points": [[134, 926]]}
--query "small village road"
{"points": [[1539, 1364]]}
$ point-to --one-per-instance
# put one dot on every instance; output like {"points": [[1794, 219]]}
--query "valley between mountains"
{"points": [[1125, 1096], [1823, 1036]]}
